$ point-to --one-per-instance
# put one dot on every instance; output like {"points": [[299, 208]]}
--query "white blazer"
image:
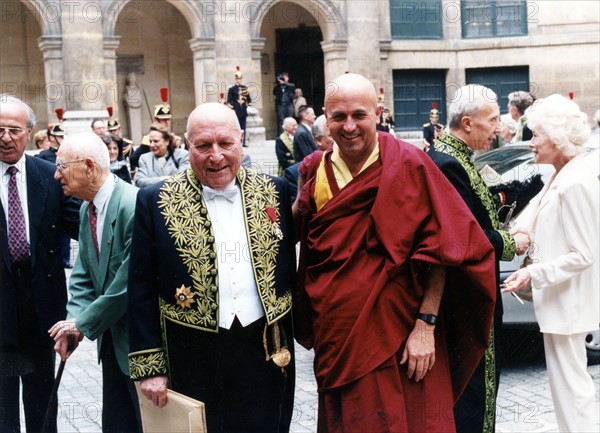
{"points": [[563, 222]]}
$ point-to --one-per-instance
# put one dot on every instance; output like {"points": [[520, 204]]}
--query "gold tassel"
{"points": [[282, 356]]}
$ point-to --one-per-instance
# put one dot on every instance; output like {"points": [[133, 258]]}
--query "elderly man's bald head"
{"points": [[213, 111], [347, 85]]}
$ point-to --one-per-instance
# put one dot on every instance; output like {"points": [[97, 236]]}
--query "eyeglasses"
{"points": [[61, 166], [14, 131]]}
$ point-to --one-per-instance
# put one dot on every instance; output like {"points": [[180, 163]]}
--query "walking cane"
{"points": [[54, 392]]}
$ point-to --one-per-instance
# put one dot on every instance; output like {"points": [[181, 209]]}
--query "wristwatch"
{"points": [[431, 319]]}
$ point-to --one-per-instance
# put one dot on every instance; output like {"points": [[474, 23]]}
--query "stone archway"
{"points": [[31, 60], [275, 21], [152, 39]]}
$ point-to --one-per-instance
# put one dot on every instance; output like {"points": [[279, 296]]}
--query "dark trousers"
{"points": [[242, 121], [470, 409], [37, 386], [120, 408], [227, 371], [30, 363]]}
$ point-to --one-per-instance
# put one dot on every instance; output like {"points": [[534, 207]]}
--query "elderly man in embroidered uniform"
{"points": [[474, 122], [211, 271]]}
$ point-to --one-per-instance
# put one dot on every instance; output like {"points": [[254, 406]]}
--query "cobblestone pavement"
{"points": [[524, 403]]}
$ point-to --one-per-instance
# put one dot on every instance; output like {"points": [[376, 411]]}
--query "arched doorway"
{"points": [[293, 39], [21, 60], [154, 44]]}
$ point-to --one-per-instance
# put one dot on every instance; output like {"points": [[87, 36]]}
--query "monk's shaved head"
{"points": [[352, 117], [347, 85]]}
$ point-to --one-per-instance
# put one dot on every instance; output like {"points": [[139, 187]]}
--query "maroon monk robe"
{"points": [[364, 253]]}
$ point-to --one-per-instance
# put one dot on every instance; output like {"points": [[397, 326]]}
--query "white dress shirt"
{"points": [[238, 294], [21, 186], [101, 200]]}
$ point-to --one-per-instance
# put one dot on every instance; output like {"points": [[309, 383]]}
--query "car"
{"points": [[516, 162]]}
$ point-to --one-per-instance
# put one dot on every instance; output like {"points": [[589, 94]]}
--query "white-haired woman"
{"points": [[563, 223]]}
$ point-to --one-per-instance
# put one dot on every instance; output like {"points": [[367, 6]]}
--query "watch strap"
{"points": [[431, 319]]}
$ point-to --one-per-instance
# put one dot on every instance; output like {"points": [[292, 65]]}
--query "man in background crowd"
{"points": [[33, 216]]}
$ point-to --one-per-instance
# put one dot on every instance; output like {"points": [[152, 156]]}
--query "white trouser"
{"points": [[572, 388]]}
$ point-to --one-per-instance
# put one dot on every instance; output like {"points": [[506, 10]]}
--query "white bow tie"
{"points": [[229, 193]]}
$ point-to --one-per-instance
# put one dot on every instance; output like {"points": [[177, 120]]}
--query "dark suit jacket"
{"points": [[291, 175], [284, 93], [98, 286], [304, 143], [48, 155], [460, 173], [50, 212]]}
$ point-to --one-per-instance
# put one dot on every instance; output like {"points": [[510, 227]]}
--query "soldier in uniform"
{"points": [[56, 134], [386, 120], [238, 98], [163, 115], [430, 128], [114, 128]]}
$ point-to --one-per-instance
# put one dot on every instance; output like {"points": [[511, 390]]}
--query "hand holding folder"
{"points": [[182, 414]]}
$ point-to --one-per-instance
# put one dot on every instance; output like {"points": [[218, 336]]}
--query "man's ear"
{"points": [[89, 164], [465, 123]]}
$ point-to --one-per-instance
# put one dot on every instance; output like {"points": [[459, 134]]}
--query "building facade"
{"points": [[85, 55]]}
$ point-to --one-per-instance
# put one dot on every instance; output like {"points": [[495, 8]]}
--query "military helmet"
{"points": [[163, 111]]}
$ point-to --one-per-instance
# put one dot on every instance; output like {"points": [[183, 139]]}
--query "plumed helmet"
{"points": [[163, 111]]}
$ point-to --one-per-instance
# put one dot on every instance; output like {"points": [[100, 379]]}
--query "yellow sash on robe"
{"points": [[342, 174]]}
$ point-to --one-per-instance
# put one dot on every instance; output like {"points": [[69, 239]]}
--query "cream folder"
{"points": [[181, 414]]}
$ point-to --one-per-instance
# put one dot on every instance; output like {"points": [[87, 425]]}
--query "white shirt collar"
{"points": [[20, 166], [103, 195]]}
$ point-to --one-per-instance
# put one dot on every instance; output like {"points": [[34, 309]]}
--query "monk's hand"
{"points": [[419, 351], [516, 281], [155, 389]]}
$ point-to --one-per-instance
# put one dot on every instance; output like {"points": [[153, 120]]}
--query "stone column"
{"points": [[255, 83], [386, 79], [334, 58], [51, 48], [205, 72], [83, 55], [232, 43], [113, 96], [255, 130], [234, 46], [363, 38], [452, 28]]}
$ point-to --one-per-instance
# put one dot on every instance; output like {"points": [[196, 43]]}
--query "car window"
{"points": [[503, 157]]}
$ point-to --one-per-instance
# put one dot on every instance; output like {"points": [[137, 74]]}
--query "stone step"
{"points": [[262, 155]]}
